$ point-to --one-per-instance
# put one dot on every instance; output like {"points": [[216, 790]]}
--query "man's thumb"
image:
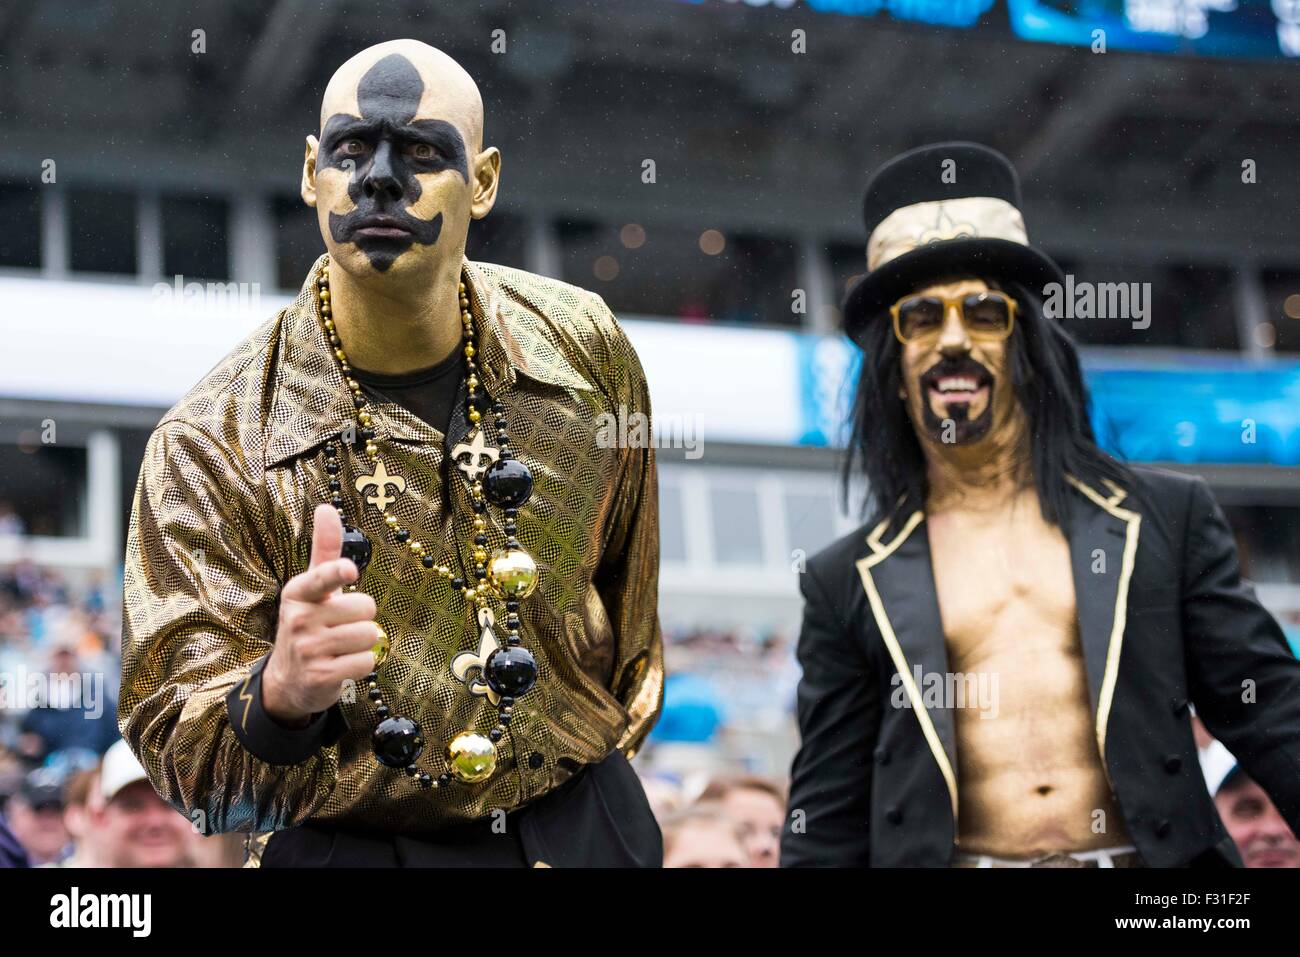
{"points": [[326, 535]]}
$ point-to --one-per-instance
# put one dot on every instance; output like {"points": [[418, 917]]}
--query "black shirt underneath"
{"points": [[428, 394]]}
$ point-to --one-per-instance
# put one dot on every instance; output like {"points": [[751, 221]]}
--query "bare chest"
{"points": [[1003, 587]]}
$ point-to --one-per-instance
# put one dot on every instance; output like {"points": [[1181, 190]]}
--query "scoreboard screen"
{"points": [[1256, 29]]}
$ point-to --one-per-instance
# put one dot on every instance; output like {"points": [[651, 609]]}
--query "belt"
{"points": [[1107, 857]]}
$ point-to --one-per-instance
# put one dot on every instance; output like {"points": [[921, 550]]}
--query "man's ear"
{"points": [[309, 172], [487, 175]]}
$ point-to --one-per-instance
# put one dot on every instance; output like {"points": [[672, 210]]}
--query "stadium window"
{"points": [[498, 238], [737, 539], [44, 487], [1282, 291], [20, 211], [809, 520], [298, 241], [195, 235], [693, 275], [101, 231], [672, 523]]}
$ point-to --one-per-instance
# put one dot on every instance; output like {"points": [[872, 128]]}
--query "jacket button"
{"points": [[1173, 764], [881, 755], [1162, 829], [894, 816]]}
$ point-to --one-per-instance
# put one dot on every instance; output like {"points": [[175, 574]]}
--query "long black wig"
{"points": [[1048, 383]]}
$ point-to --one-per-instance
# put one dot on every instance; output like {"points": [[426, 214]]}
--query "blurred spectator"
{"points": [[11, 852], [77, 712], [134, 827], [78, 795], [702, 836], [35, 816], [664, 795], [11, 524], [757, 807], [1253, 821]]}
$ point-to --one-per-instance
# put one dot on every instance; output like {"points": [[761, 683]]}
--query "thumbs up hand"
{"points": [[324, 636]]}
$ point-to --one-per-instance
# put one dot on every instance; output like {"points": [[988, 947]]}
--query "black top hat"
{"points": [[947, 209]]}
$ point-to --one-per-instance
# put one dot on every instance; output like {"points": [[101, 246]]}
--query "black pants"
{"points": [[598, 818]]}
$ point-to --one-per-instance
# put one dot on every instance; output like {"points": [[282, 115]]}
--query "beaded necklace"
{"points": [[499, 673]]}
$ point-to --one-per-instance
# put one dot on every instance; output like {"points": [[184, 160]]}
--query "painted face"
{"points": [[955, 378], [387, 182]]}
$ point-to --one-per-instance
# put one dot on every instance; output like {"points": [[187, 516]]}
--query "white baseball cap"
{"points": [[120, 768]]}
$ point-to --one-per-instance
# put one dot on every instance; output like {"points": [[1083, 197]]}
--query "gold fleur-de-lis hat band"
{"points": [[942, 211]]}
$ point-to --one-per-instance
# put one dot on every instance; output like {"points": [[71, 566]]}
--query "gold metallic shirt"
{"points": [[222, 520]]}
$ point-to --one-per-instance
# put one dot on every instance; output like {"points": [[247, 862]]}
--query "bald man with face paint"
{"points": [[390, 598]]}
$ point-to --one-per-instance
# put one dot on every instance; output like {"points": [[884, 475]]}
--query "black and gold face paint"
{"points": [[385, 150]]}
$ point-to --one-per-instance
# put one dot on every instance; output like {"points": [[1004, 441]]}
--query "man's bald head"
{"points": [[399, 169], [445, 90]]}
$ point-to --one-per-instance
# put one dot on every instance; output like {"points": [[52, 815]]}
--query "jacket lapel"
{"points": [[1103, 538], [899, 581]]}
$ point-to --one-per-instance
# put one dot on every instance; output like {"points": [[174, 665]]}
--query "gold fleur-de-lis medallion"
{"points": [[381, 481], [467, 667], [477, 450]]}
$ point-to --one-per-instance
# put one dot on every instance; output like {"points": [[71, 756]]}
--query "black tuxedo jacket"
{"points": [[1167, 621]]}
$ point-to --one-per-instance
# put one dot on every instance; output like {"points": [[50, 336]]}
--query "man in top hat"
{"points": [[997, 667]]}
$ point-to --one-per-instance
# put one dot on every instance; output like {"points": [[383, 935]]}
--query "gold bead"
{"points": [[381, 646], [460, 287], [325, 294], [513, 573], [472, 382], [480, 523], [471, 757], [354, 385], [416, 547], [371, 449], [475, 415], [341, 356], [469, 351], [390, 521], [364, 417], [480, 555]]}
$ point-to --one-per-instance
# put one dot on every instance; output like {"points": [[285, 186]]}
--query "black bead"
{"points": [[510, 671], [480, 539], [332, 468], [335, 485], [494, 735], [501, 424], [480, 573], [402, 535], [374, 694], [512, 604], [358, 401], [511, 513], [508, 482], [367, 433], [381, 712], [356, 547], [457, 584], [507, 701], [397, 742], [444, 778], [427, 561], [336, 501], [412, 771]]}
